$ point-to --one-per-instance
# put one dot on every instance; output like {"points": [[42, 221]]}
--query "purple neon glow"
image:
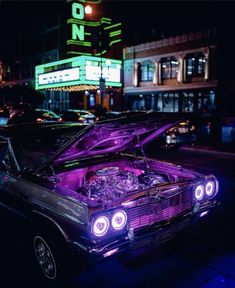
{"points": [[199, 192], [115, 137], [119, 220], [210, 188], [111, 252], [165, 209], [204, 213], [100, 226]]}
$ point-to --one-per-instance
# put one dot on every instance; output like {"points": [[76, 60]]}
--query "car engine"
{"points": [[111, 183]]}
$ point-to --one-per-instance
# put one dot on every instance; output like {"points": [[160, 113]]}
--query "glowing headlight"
{"points": [[199, 192], [210, 188], [100, 226], [119, 220]]}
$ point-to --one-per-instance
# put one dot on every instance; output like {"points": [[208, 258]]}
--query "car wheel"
{"points": [[51, 258], [45, 257]]}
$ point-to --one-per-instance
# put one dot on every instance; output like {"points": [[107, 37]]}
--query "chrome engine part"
{"points": [[110, 183], [151, 179]]}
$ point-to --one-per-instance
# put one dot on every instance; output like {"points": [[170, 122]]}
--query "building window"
{"points": [[188, 102], [169, 68], [91, 101], [168, 102], [195, 65], [146, 71]]}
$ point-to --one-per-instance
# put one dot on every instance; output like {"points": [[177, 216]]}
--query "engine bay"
{"points": [[108, 181]]}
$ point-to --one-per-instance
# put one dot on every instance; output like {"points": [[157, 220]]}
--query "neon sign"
{"points": [[93, 71], [81, 70], [78, 13], [59, 76], [89, 34]]}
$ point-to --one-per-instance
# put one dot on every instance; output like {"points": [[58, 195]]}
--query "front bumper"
{"points": [[155, 234]]}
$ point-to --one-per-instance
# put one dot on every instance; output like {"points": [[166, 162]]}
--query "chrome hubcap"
{"points": [[45, 257]]}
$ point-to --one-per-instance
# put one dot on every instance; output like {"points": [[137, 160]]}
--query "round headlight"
{"points": [[210, 188], [119, 220], [199, 192], [100, 226]]}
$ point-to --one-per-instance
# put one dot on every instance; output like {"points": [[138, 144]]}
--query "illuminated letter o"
{"points": [[77, 11]]}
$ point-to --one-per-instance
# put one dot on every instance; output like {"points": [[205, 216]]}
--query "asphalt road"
{"points": [[202, 256]]}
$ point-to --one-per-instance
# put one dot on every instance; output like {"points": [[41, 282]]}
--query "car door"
{"points": [[10, 200], [11, 217]]}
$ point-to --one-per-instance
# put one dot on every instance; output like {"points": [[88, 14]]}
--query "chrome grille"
{"points": [[165, 207]]}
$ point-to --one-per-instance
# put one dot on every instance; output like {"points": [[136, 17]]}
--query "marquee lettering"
{"points": [[78, 30]]}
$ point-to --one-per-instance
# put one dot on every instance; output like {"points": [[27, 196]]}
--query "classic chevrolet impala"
{"points": [[95, 192]]}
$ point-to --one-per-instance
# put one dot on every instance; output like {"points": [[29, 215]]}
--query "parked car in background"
{"points": [[78, 115], [15, 108], [33, 115], [95, 192], [43, 115], [183, 133]]}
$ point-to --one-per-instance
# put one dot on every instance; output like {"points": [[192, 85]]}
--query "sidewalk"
{"points": [[225, 148]]}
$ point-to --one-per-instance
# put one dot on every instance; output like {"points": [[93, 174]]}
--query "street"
{"points": [[201, 256]]}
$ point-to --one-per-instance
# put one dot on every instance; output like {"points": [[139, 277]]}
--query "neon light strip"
{"points": [[115, 33], [82, 22], [115, 41], [79, 53], [81, 43], [112, 26], [79, 60], [106, 18], [75, 83]]}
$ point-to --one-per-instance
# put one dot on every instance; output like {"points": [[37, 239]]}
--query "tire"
{"points": [[51, 258]]}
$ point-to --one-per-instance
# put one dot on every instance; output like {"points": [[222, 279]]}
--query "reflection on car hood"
{"points": [[122, 135]]}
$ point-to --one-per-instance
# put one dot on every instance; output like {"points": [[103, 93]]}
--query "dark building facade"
{"points": [[176, 74]]}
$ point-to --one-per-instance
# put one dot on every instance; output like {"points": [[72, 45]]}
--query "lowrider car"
{"points": [[96, 193]]}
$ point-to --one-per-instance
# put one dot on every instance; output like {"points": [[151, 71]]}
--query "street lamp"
{"points": [[88, 10]]}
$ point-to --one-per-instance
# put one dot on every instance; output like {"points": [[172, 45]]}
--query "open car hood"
{"points": [[120, 135]]}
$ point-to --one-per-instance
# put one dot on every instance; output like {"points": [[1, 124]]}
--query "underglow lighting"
{"points": [[111, 252], [204, 213]]}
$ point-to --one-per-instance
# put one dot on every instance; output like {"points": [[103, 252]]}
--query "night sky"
{"points": [[143, 21], [152, 20]]}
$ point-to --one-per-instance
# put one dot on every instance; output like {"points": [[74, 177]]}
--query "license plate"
{"points": [[183, 130]]}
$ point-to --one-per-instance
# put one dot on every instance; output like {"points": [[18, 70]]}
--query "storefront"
{"points": [[197, 100]]}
